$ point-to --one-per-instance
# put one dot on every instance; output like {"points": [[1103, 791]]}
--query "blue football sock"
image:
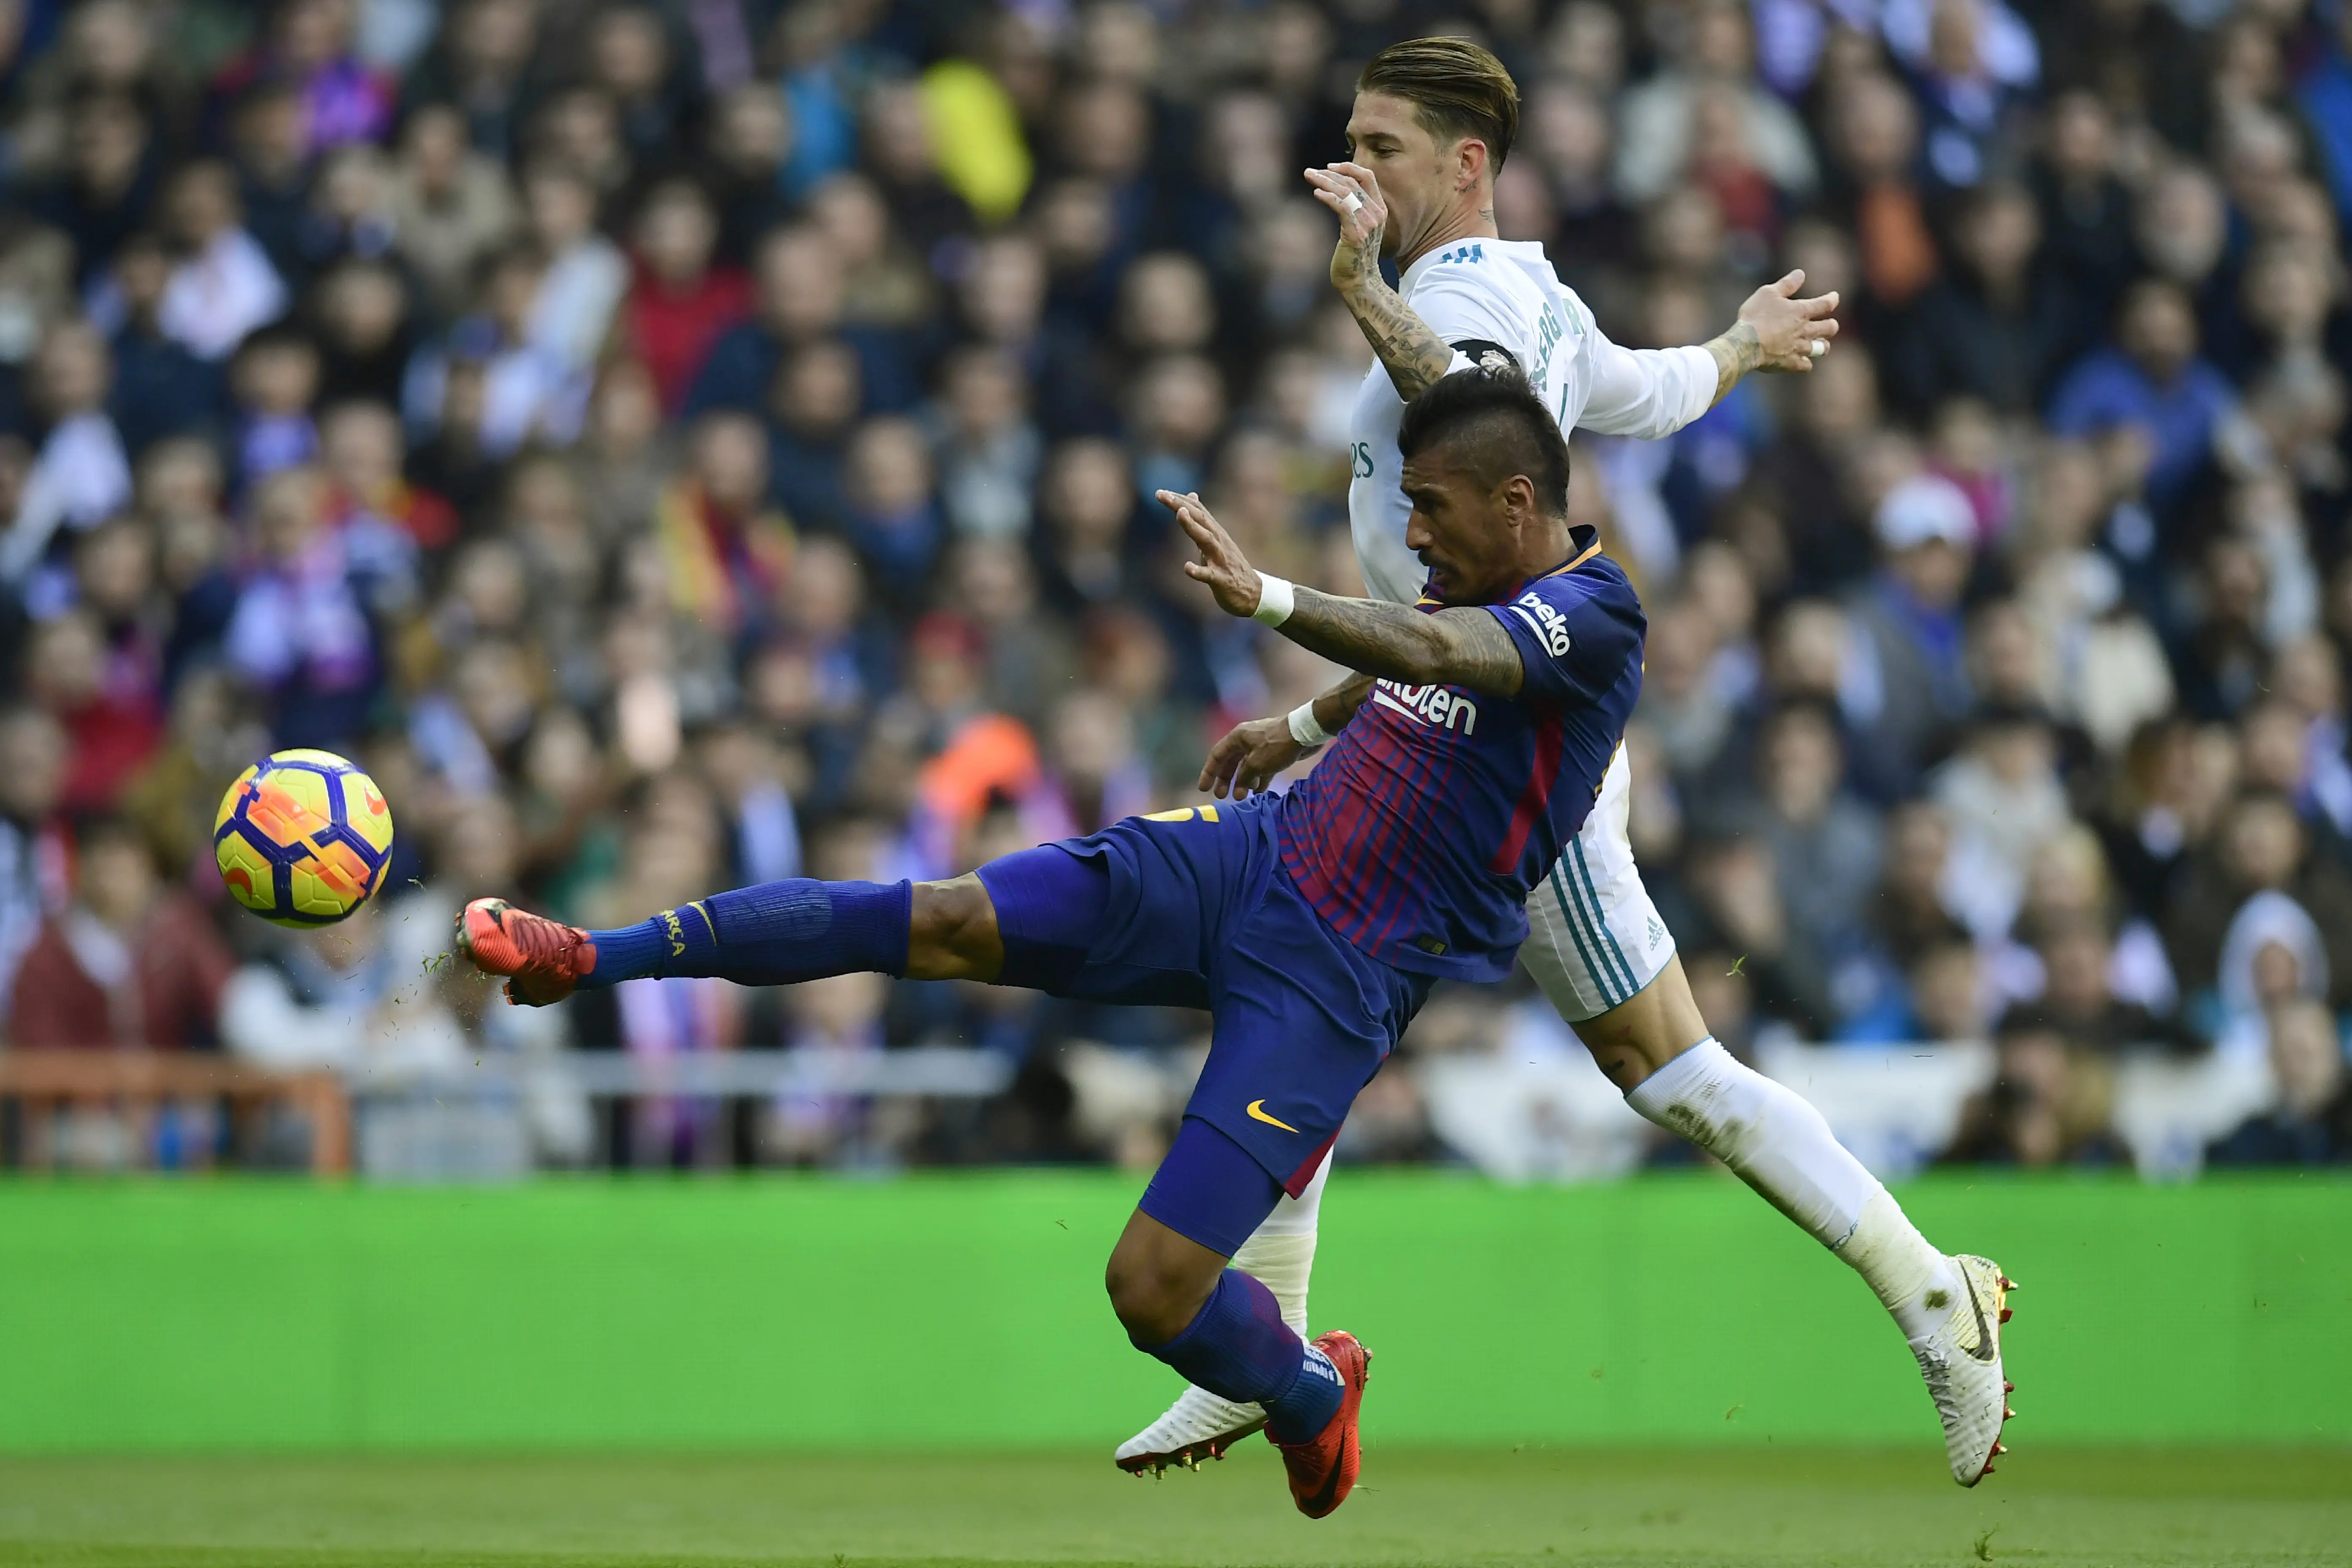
{"points": [[1239, 1348], [777, 933], [626, 953]]}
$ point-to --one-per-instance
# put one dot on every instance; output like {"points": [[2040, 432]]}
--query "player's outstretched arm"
{"points": [[1454, 646], [1415, 355], [1250, 754], [1776, 332]]}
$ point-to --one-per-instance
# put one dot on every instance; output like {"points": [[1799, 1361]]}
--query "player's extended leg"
{"points": [[776, 934], [1606, 962]]}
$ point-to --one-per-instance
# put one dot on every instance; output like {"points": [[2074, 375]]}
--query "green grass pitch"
{"points": [[1531, 1506]]}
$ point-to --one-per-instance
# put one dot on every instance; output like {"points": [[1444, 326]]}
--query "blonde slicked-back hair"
{"points": [[1456, 90]]}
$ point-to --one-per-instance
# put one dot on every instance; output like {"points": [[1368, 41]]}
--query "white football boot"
{"points": [[1199, 1425], [1960, 1359]]}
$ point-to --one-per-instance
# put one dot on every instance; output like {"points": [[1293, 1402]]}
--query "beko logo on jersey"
{"points": [[1439, 705], [1544, 621]]}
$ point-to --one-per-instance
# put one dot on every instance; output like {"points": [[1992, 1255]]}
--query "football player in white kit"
{"points": [[1432, 120]]}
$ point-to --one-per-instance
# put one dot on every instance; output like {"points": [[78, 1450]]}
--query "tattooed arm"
{"points": [[1735, 352], [1460, 647], [1455, 647], [1776, 331], [1415, 355]]}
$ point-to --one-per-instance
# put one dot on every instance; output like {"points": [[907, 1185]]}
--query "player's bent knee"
{"points": [[1148, 1305], [1639, 1035], [1156, 1297], [951, 932]]}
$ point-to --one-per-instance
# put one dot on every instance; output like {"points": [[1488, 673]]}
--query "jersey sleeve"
{"points": [[1463, 310], [1573, 642], [1647, 392]]}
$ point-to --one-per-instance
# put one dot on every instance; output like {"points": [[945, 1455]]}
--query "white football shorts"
{"points": [[1593, 937]]}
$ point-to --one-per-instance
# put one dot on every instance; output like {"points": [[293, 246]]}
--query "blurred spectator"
{"points": [[301, 632], [79, 475], [2049, 1104], [2312, 1123], [450, 206], [2151, 382], [1994, 326], [360, 449], [520, 391], [274, 379], [2325, 94], [1666, 119], [2086, 210], [107, 189], [751, 137], [2104, 668], [481, 61], [630, 58], [160, 388], [1825, 843], [1908, 679], [725, 554], [586, 274], [799, 290], [2006, 804], [2258, 916], [224, 286], [887, 482], [98, 667], [132, 962], [1971, 59], [1873, 139], [1731, 904], [363, 321], [269, 145], [680, 302], [307, 46], [34, 753], [2078, 994]]}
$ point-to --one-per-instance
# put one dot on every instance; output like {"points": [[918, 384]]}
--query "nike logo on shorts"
{"points": [[1258, 1112]]}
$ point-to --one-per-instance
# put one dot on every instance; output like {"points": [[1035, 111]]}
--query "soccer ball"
{"points": [[303, 838]]}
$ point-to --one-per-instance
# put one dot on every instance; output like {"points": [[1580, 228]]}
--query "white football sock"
{"points": [[1775, 1140], [1281, 1252]]}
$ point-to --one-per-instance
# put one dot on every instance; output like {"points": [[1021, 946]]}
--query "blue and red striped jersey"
{"points": [[1420, 833]]}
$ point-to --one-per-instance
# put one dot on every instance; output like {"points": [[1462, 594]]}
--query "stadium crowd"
{"points": [[677, 444]]}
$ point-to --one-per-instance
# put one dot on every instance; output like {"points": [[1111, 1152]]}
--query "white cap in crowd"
{"points": [[1926, 507]]}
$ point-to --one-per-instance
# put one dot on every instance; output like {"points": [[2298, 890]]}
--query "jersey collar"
{"points": [[1414, 274], [1586, 539]]}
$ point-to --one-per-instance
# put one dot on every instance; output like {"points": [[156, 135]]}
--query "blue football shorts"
{"points": [[1192, 909]]}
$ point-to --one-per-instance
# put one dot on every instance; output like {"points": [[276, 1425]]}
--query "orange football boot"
{"points": [[1323, 1468], [542, 959]]}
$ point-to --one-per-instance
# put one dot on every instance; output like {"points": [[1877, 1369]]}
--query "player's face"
{"points": [[1413, 170], [1462, 530]]}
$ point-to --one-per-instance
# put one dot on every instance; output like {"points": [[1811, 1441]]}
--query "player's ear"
{"points": [[1517, 497], [1470, 161]]}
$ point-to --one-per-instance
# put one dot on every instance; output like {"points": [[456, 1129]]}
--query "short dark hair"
{"points": [[1456, 90], [1504, 428]]}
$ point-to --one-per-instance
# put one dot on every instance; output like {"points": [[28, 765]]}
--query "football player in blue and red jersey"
{"points": [[1310, 926]]}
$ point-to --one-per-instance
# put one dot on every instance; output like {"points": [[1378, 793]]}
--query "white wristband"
{"points": [[1275, 599], [1305, 729]]}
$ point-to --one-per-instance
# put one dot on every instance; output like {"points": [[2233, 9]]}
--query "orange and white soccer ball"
{"points": [[303, 838]]}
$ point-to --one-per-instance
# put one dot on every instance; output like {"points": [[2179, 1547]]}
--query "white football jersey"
{"points": [[1504, 293]]}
